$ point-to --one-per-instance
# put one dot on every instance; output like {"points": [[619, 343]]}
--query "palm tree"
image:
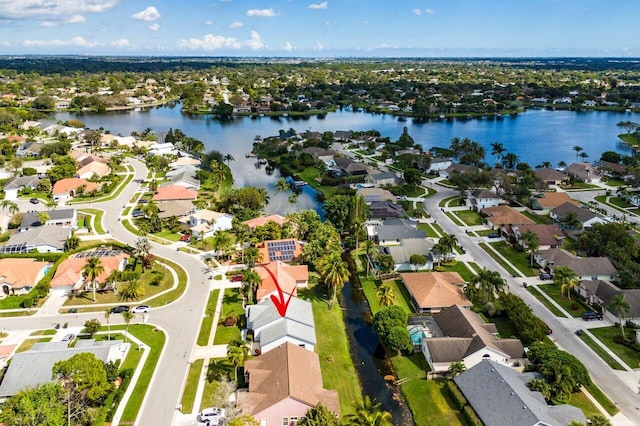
{"points": [[141, 251], [488, 284], [10, 206], [532, 243], [221, 242], [51, 205], [43, 217], [510, 160], [385, 295], [72, 242], [540, 385], [133, 290], [497, 149], [449, 242], [228, 158], [562, 164], [369, 247], [107, 314], [583, 155], [546, 164], [92, 268], [367, 413], [571, 221], [252, 256], [577, 149], [621, 307], [334, 273], [456, 368], [250, 280], [237, 354], [127, 316], [566, 279], [282, 185]]}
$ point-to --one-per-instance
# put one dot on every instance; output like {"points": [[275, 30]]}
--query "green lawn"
{"points": [[543, 219], [626, 354], [168, 235], [470, 217], [402, 297], [521, 260], [451, 202], [430, 403], [455, 219], [216, 369], [338, 372], [47, 332], [619, 202], [550, 306], [94, 217], [575, 306], [207, 322], [601, 352], [606, 403], [190, 388], [460, 268], [231, 306], [582, 401], [154, 339], [310, 174], [432, 230]]}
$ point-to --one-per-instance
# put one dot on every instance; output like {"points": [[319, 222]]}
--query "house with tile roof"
{"points": [[285, 250], [204, 223], [586, 217], [586, 268], [283, 384], [549, 236], [174, 192], [500, 397], [69, 276], [481, 199], [289, 278], [459, 334], [263, 220], [371, 195], [69, 187], [545, 202], [43, 239], [177, 208], [271, 330], [499, 216], [550, 176], [33, 368], [431, 292], [20, 275]]}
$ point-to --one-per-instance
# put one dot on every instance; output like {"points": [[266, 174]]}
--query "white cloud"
{"points": [[208, 23], [327, 24], [149, 14], [76, 19], [154, 27], [420, 11], [429, 11], [318, 46], [317, 6], [288, 47], [52, 10], [235, 25], [417, 12], [5, 43], [263, 13], [215, 42], [123, 42], [76, 41], [48, 24]]}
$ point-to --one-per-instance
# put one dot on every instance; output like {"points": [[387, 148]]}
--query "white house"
{"points": [[438, 164], [204, 223], [162, 149], [15, 184], [481, 199]]}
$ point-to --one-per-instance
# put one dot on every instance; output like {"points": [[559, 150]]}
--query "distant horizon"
{"points": [[325, 28]]}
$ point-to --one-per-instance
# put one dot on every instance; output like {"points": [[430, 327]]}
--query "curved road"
{"points": [[180, 319], [612, 385]]}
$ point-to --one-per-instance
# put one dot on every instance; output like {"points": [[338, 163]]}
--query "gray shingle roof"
{"points": [[30, 219], [48, 235], [298, 322], [399, 229], [500, 397], [583, 213], [582, 266], [22, 181]]}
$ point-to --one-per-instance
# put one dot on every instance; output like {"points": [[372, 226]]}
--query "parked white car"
{"points": [[142, 309], [212, 416]]}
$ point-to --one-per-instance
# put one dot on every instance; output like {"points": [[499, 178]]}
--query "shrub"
{"points": [[230, 321], [458, 398], [28, 302], [471, 416]]}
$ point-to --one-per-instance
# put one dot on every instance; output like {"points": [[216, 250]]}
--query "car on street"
{"points": [[591, 315], [237, 278], [119, 309], [545, 276], [68, 337], [212, 416], [34, 201], [137, 213], [142, 309], [185, 238]]}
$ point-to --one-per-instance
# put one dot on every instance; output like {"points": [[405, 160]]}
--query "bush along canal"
{"points": [[368, 354]]}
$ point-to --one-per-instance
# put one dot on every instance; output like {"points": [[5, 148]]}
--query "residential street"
{"points": [[618, 390]]}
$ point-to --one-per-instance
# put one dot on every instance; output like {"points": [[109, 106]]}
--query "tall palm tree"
{"points": [[334, 273], [228, 158], [449, 243], [583, 155], [141, 250], [369, 247], [43, 217], [621, 307], [456, 368], [10, 206], [107, 314], [237, 354], [72, 242], [133, 290], [127, 316], [562, 164], [564, 277], [571, 221], [367, 413], [251, 280], [510, 160], [498, 150], [385, 295], [488, 284], [532, 243], [221, 242], [577, 149], [92, 268]]}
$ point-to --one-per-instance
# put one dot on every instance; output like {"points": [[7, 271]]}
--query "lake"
{"points": [[535, 136]]}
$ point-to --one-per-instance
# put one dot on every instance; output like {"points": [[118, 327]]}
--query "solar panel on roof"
{"points": [[98, 253], [281, 250], [14, 248]]}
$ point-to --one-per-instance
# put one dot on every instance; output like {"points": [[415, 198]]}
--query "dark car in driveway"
{"points": [[119, 309], [545, 276], [591, 315], [34, 201]]}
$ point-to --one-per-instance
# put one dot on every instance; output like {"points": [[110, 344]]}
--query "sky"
{"points": [[332, 28]]}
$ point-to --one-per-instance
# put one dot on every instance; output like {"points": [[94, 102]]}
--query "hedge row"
{"points": [[462, 404]]}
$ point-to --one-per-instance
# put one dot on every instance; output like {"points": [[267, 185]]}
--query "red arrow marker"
{"points": [[279, 301]]}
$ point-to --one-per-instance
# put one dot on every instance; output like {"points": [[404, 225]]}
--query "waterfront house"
{"points": [[288, 277], [431, 292], [584, 172]]}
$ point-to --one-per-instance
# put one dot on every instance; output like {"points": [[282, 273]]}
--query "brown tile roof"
{"points": [[69, 272], [287, 371], [436, 289], [262, 220], [505, 215], [71, 184], [20, 272], [555, 199], [174, 192], [288, 278]]}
